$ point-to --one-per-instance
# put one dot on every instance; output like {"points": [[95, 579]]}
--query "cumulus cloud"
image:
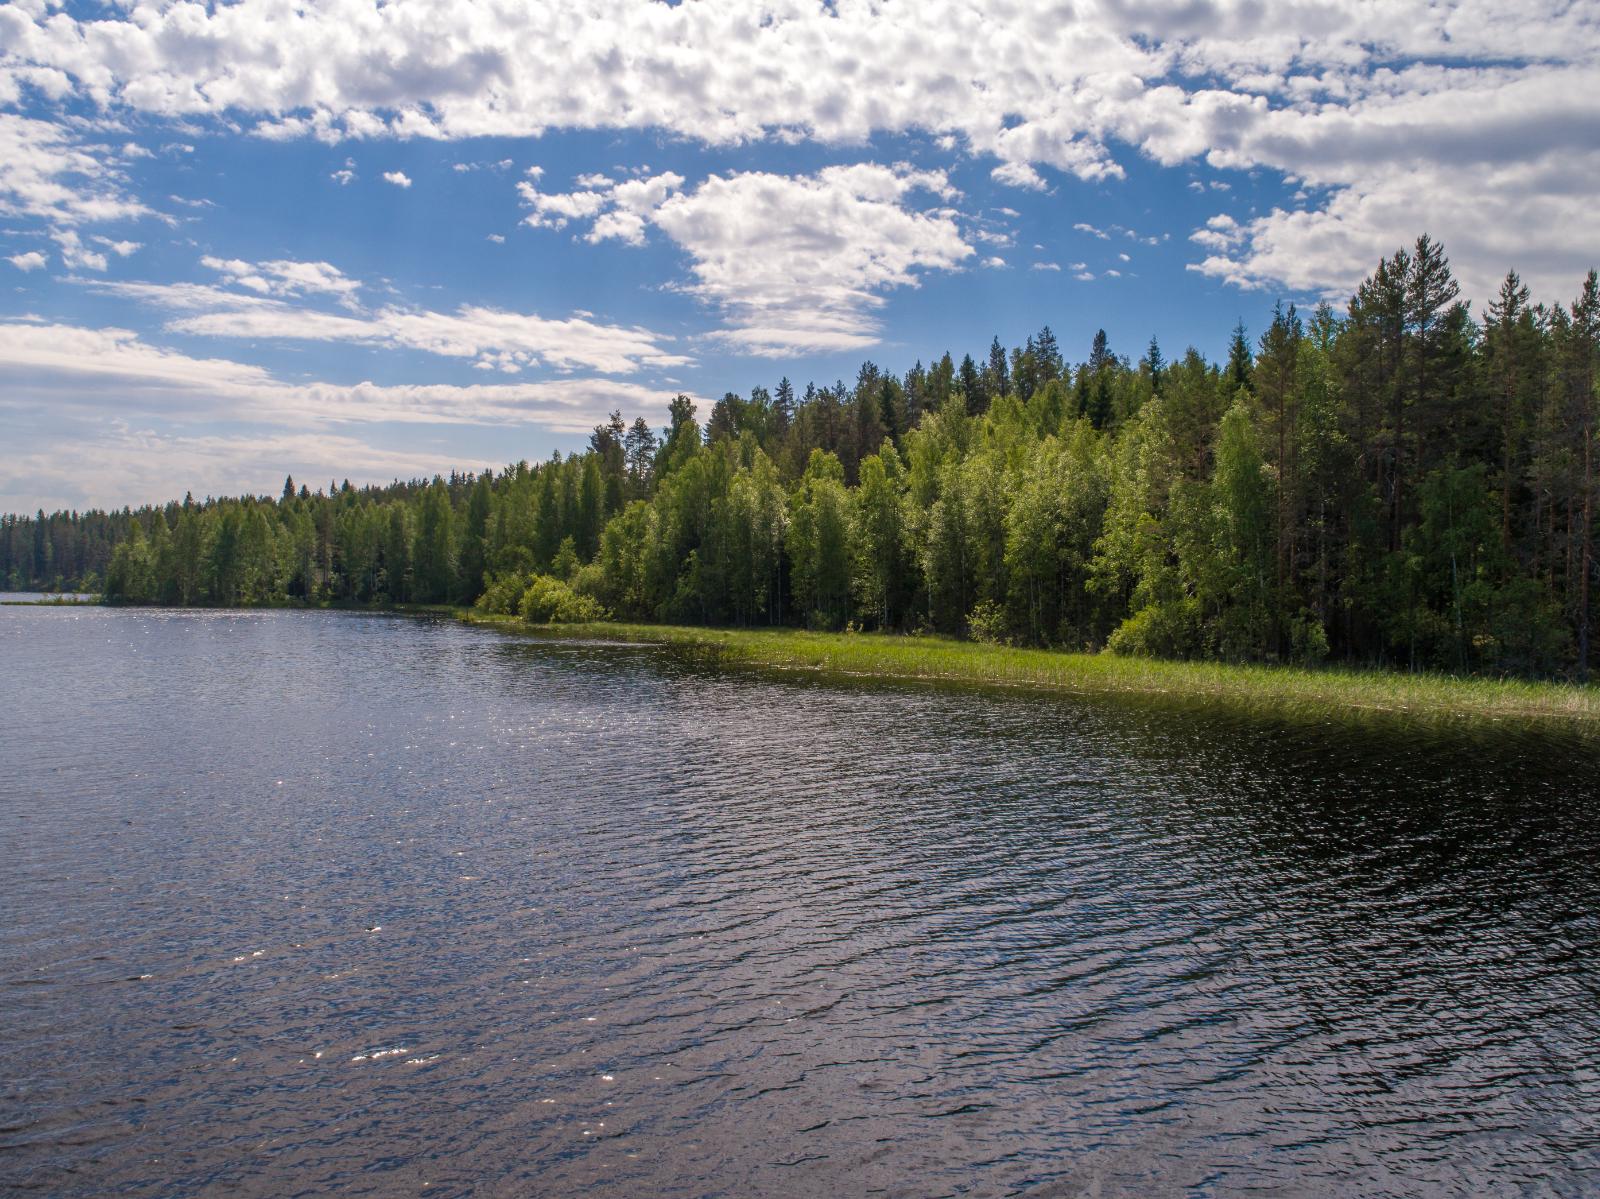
{"points": [[1380, 108], [1019, 174], [75, 254], [122, 249], [398, 178], [792, 262], [31, 260], [284, 277], [1497, 219], [49, 172]]}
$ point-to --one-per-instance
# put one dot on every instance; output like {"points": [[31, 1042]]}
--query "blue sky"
{"points": [[371, 242]]}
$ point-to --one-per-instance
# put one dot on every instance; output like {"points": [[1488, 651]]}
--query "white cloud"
{"points": [[1046, 266], [32, 260], [53, 359], [398, 178], [1497, 218], [554, 211], [494, 338], [47, 171], [499, 239], [109, 463], [173, 422], [1019, 174], [75, 254], [1380, 108], [462, 168], [284, 277], [793, 262], [122, 249]]}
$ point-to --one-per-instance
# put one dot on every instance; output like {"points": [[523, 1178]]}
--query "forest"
{"points": [[1399, 484]]}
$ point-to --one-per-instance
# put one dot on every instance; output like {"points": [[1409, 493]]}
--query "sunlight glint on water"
{"points": [[315, 902]]}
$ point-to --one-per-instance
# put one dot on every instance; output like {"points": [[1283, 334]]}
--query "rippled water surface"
{"points": [[310, 903]]}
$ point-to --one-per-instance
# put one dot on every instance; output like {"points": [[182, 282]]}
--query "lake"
{"points": [[316, 902]]}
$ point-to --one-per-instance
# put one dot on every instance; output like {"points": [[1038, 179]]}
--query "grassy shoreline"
{"points": [[1278, 691]]}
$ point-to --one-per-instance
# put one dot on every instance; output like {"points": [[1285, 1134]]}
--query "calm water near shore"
{"points": [[323, 902]]}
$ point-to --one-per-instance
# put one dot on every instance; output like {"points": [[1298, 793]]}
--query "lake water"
{"points": [[305, 903]]}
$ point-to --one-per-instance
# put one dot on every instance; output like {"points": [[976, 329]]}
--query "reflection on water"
{"points": [[315, 902]]}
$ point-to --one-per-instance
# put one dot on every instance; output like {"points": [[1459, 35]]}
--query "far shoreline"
{"points": [[1290, 694], [1281, 692]]}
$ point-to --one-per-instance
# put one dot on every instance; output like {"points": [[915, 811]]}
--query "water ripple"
{"points": [[317, 902]]}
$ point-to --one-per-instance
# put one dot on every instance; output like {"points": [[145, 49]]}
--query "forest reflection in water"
{"points": [[324, 901]]}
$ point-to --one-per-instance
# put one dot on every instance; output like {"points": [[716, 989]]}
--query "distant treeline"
{"points": [[1397, 484]]}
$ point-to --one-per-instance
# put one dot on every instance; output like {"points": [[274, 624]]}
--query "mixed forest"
{"points": [[1400, 483]]}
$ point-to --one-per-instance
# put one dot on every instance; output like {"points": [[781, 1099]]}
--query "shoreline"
{"points": [[1283, 692]]}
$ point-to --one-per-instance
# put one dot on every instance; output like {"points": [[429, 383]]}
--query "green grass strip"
{"points": [[1278, 691]]}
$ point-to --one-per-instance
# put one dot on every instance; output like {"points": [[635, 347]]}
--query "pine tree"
{"points": [[434, 553], [972, 388]]}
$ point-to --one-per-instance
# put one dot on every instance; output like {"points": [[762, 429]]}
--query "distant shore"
{"points": [[1276, 691]]}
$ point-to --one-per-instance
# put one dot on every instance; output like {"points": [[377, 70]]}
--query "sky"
{"points": [[342, 239]]}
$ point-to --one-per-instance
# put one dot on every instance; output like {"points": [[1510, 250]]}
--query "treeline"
{"points": [[1397, 484]]}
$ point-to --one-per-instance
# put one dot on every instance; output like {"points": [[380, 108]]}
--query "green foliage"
{"points": [[565, 564], [1389, 484], [548, 600], [1168, 629], [502, 593], [987, 623]]}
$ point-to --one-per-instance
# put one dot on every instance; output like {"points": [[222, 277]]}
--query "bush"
{"points": [[1169, 630], [550, 601], [1309, 638], [987, 623], [590, 581], [502, 593]]}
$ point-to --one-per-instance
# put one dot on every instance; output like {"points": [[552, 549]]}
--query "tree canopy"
{"points": [[1397, 483]]}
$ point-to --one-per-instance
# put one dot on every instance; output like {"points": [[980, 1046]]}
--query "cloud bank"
{"points": [[1461, 117]]}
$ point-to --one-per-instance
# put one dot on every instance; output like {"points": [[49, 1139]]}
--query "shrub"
{"points": [[502, 593], [1165, 630], [590, 581], [548, 600], [987, 623], [1308, 638]]}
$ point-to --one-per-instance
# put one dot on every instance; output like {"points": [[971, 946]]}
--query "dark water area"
{"points": [[315, 902]]}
